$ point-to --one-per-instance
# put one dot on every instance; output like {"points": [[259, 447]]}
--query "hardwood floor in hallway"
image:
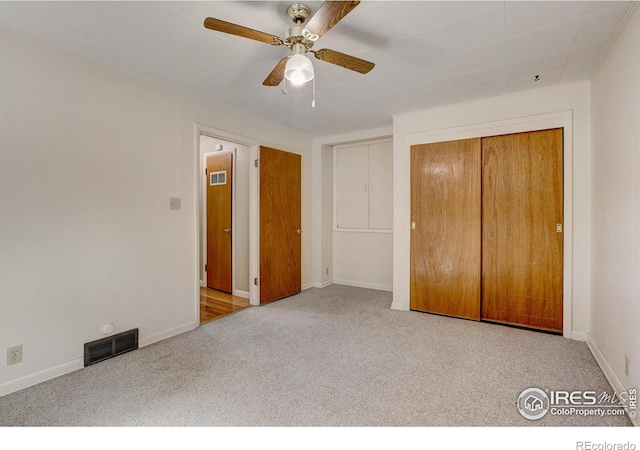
{"points": [[216, 304]]}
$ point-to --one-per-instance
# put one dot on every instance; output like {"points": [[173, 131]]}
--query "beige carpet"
{"points": [[327, 357]]}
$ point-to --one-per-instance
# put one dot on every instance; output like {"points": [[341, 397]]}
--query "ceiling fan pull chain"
{"points": [[313, 101], [284, 86]]}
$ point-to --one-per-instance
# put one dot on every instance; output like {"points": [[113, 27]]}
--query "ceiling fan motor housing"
{"points": [[298, 13], [298, 35]]}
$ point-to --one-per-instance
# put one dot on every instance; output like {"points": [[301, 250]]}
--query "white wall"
{"points": [[89, 157], [326, 203], [510, 113], [353, 258], [615, 263], [240, 208], [363, 259]]}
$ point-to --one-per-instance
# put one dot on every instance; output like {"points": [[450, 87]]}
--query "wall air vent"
{"points": [[218, 178], [109, 347]]}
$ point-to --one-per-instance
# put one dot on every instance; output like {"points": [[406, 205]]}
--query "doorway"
{"points": [[224, 212], [255, 225]]}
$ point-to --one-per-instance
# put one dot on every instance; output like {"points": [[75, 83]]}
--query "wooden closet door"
{"points": [[521, 245], [445, 240]]}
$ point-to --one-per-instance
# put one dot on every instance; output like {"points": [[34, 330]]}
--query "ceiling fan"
{"points": [[296, 67]]}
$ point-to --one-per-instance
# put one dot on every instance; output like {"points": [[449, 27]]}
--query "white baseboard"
{"points": [[148, 340], [608, 371], [579, 336], [378, 287], [241, 294], [323, 284], [307, 286], [62, 369], [237, 292], [399, 306], [41, 376]]}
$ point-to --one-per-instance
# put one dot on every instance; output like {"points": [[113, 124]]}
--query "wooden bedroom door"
{"points": [[280, 224], [522, 244], [445, 234], [219, 228]]}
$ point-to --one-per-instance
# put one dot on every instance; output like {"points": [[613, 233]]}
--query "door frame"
{"points": [[254, 145], [233, 212], [561, 119]]}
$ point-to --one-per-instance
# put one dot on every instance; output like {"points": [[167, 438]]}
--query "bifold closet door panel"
{"points": [[381, 186], [352, 182], [522, 229], [445, 234]]}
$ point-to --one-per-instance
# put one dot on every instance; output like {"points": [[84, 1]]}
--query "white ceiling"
{"points": [[426, 53]]}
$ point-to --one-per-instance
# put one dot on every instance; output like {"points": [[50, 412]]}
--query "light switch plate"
{"points": [[174, 203]]}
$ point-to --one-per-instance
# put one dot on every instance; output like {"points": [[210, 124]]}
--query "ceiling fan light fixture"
{"points": [[299, 69]]}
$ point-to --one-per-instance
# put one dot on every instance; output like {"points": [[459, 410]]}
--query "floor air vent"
{"points": [[109, 347]]}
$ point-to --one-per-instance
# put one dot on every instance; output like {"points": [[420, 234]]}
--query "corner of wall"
{"points": [[615, 382]]}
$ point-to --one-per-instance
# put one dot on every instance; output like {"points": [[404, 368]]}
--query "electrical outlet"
{"points": [[627, 363], [14, 355]]}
